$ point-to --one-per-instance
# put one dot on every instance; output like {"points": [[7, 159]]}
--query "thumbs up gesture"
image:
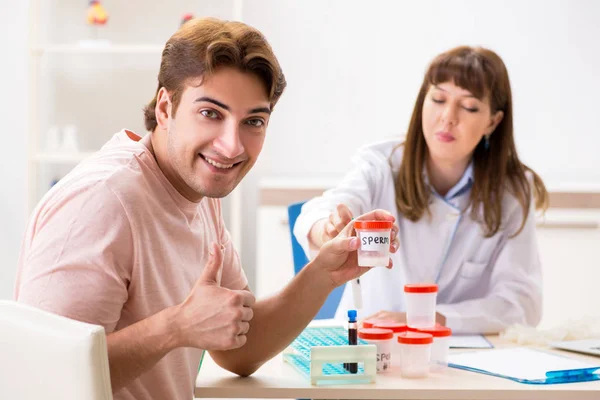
{"points": [[212, 317]]}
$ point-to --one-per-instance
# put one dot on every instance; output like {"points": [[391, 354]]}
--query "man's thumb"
{"points": [[341, 245], [212, 269]]}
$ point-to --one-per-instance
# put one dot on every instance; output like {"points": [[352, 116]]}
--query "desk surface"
{"points": [[277, 379]]}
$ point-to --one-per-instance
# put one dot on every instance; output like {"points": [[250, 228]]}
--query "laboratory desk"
{"points": [[277, 379]]}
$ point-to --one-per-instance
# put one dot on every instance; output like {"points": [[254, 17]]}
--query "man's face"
{"points": [[217, 133]]}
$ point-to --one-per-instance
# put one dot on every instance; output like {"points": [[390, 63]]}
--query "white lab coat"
{"points": [[485, 284]]}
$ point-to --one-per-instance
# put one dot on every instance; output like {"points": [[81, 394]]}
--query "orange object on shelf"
{"points": [[96, 14], [186, 17]]}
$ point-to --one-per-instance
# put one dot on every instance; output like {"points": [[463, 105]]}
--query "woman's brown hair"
{"points": [[496, 166], [203, 45]]}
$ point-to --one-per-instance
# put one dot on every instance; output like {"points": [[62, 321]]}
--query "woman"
{"points": [[463, 201]]}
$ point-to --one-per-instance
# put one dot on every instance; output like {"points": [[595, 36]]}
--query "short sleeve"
{"points": [[78, 258], [233, 276]]}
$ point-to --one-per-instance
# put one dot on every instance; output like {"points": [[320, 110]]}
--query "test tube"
{"points": [[352, 338]]}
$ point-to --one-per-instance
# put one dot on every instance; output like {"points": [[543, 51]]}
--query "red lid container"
{"points": [[421, 288], [415, 338], [395, 327], [373, 225], [375, 334], [370, 323], [436, 331]]}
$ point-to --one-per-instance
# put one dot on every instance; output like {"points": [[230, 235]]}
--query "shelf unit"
{"points": [[39, 158], [62, 157], [130, 49], [41, 161]]}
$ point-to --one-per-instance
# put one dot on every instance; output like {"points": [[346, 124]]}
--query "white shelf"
{"points": [[573, 187], [62, 158], [99, 49], [298, 183]]}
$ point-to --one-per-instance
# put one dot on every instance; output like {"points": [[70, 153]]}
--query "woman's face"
{"points": [[454, 121]]}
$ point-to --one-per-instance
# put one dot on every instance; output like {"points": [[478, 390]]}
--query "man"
{"points": [[133, 238]]}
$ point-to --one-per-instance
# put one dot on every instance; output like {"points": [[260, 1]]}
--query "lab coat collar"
{"points": [[462, 186]]}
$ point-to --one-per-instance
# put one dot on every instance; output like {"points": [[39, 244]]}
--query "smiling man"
{"points": [[133, 238]]}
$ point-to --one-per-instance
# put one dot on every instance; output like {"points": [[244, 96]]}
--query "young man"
{"points": [[133, 238]]}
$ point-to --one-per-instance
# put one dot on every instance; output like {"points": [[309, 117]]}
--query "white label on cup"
{"points": [[374, 240], [384, 361]]}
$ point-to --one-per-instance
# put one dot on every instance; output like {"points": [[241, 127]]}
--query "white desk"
{"points": [[277, 379]]}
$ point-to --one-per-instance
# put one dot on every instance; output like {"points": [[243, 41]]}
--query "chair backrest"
{"points": [[300, 260], [47, 356]]}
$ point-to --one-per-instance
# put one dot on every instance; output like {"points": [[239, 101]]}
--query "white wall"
{"points": [[13, 159], [354, 69]]}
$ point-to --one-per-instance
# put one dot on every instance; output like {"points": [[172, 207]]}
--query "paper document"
{"points": [[469, 342], [519, 363]]}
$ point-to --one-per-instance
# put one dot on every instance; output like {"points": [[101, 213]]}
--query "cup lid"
{"points": [[373, 224], [436, 331], [415, 338], [370, 323], [375, 333], [421, 288], [395, 327]]}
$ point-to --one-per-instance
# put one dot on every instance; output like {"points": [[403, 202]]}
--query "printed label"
{"points": [[374, 241], [384, 361]]}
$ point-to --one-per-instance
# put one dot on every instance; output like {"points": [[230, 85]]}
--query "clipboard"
{"points": [[470, 342], [525, 365]]}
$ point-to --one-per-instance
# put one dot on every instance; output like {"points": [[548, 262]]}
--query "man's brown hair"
{"points": [[201, 46]]}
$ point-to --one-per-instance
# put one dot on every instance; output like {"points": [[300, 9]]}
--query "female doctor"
{"points": [[463, 201]]}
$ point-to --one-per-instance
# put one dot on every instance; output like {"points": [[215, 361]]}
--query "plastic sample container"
{"points": [[375, 241], [382, 339], [397, 328], [415, 354], [440, 346], [420, 304], [370, 323]]}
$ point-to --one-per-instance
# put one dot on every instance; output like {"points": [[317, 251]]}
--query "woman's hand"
{"points": [[338, 256], [326, 229], [388, 316], [400, 317]]}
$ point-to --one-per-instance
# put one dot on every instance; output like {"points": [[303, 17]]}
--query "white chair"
{"points": [[47, 356]]}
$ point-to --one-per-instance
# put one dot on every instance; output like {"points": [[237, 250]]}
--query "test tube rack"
{"points": [[319, 354]]}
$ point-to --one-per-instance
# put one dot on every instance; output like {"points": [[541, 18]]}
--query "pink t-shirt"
{"points": [[113, 243]]}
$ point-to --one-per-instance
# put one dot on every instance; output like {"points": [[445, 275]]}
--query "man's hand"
{"points": [[338, 256], [212, 317]]}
